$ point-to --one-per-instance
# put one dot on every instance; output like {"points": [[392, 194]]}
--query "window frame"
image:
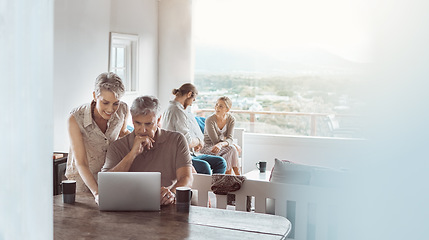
{"points": [[130, 43]]}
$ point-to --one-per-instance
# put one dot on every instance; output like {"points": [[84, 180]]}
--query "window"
{"points": [[123, 59], [286, 65]]}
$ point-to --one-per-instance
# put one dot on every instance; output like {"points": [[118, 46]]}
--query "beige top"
{"points": [[212, 133], [95, 141]]}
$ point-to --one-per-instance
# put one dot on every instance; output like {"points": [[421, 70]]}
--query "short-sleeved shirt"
{"points": [[177, 118], [94, 140], [169, 153]]}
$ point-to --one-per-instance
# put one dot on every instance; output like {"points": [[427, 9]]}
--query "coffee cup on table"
{"points": [[262, 166], [183, 199], [69, 190]]}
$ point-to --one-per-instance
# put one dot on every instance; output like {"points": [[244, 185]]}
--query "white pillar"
{"points": [[26, 122], [175, 47]]}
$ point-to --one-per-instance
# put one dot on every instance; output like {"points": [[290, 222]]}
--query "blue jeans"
{"points": [[204, 164]]}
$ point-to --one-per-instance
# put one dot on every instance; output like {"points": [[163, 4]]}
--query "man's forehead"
{"points": [[148, 118]]}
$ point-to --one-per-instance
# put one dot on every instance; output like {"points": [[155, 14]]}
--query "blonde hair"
{"points": [[227, 101]]}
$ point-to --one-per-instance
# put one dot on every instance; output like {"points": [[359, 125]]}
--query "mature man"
{"points": [[151, 149], [176, 118]]}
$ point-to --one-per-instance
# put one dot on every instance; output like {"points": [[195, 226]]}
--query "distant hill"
{"points": [[294, 61]]}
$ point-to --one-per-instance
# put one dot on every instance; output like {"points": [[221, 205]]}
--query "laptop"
{"points": [[129, 191]]}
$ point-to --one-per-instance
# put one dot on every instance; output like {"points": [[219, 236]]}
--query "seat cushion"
{"points": [[285, 171], [201, 122]]}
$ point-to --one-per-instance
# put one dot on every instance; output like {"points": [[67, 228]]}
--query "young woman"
{"points": [[92, 127], [218, 134]]}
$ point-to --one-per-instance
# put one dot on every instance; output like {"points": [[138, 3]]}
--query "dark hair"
{"points": [[144, 105], [185, 89]]}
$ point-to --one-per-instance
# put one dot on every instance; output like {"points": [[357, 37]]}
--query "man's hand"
{"points": [[198, 147], [96, 199], [167, 196], [141, 143]]}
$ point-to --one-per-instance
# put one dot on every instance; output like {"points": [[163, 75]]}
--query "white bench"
{"points": [[310, 209]]}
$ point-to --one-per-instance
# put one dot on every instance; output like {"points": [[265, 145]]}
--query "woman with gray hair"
{"points": [[92, 127]]}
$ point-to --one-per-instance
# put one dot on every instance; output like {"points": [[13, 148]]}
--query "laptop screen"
{"points": [[129, 191]]}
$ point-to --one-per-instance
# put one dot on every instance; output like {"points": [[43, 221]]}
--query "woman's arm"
{"points": [[210, 129], [213, 135], [79, 151], [230, 125]]}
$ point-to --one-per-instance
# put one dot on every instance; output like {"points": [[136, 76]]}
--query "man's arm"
{"points": [[141, 143], [177, 121], [184, 179]]}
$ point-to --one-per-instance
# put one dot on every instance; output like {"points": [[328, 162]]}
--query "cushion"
{"points": [[285, 171], [201, 122], [327, 177], [289, 172]]}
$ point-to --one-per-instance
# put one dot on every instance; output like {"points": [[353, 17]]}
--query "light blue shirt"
{"points": [[177, 118]]}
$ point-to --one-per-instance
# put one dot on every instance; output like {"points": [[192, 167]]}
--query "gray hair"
{"points": [[111, 82], [144, 105]]}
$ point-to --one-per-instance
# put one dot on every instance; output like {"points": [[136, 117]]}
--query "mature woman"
{"points": [[218, 134], [92, 127]]}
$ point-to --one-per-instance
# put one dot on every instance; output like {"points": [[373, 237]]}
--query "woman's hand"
{"points": [[238, 148], [216, 148]]}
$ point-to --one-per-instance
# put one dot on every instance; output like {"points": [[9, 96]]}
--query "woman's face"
{"points": [[221, 108], [106, 104]]}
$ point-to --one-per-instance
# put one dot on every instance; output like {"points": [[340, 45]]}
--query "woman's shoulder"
{"points": [[211, 117], [231, 117], [81, 109]]}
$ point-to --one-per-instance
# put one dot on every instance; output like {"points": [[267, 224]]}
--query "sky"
{"points": [[339, 27]]}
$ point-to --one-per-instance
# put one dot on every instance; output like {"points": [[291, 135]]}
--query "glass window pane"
{"points": [[120, 57], [280, 63], [121, 73], [112, 58]]}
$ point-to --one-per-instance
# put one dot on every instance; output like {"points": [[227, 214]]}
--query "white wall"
{"points": [[175, 46], [26, 40], [81, 44], [327, 152], [81, 48], [139, 17]]}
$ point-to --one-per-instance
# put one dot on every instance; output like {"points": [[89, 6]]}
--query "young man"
{"points": [[151, 149], [176, 118]]}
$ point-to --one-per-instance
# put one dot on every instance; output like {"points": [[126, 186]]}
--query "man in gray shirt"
{"points": [[151, 149], [177, 118]]}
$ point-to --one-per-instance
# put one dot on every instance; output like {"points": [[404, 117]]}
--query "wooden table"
{"points": [[83, 220]]}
